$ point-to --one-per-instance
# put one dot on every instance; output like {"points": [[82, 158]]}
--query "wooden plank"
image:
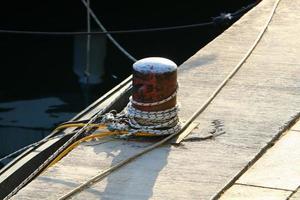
{"points": [[242, 192], [276, 170], [149, 177], [279, 167], [255, 107]]}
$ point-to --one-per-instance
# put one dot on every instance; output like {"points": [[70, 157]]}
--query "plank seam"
{"points": [[293, 192], [295, 130], [265, 187], [257, 157]]}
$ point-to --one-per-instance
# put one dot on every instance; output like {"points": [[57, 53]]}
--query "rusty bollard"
{"points": [[154, 84]]}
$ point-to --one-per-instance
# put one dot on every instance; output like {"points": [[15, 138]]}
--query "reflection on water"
{"points": [[24, 122], [34, 114]]}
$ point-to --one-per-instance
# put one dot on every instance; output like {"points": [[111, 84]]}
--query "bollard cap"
{"points": [[155, 65]]}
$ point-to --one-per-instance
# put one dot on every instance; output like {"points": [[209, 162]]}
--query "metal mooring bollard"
{"points": [[154, 84]]}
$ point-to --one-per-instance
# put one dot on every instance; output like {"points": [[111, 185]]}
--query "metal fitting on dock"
{"points": [[154, 84]]}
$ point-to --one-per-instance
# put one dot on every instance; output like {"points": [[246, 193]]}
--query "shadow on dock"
{"points": [[136, 181]]}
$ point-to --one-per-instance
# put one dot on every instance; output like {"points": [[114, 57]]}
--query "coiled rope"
{"points": [[133, 120], [159, 123]]}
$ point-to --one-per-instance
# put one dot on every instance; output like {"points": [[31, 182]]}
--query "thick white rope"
{"points": [[134, 121]]}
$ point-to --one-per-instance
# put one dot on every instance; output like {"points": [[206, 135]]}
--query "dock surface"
{"points": [[250, 113], [275, 175]]}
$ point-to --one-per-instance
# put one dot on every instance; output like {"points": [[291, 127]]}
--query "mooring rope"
{"points": [[157, 123], [157, 102]]}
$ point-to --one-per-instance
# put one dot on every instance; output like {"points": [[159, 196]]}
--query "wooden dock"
{"points": [[255, 107]]}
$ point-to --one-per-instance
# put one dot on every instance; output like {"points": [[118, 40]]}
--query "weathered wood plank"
{"points": [[275, 174], [253, 108], [242, 192], [279, 167]]}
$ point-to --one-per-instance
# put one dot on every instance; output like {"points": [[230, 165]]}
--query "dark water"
{"points": [[41, 79]]}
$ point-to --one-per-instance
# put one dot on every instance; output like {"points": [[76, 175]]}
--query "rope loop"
{"points": [[135, 121], [155, 103]]}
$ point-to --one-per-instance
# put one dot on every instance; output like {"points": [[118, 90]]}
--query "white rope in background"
{"points": [[107, 34]]}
